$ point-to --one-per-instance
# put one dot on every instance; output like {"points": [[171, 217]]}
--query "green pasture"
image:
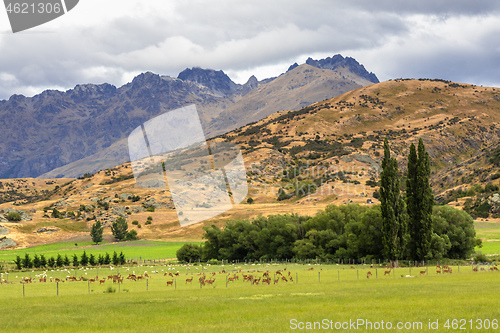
{"points": [[490, 232], [145, 250], [327, 294]]}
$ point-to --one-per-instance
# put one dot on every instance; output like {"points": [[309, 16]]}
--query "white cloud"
{"points": [[109, 41]]}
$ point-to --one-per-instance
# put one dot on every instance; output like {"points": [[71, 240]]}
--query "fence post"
{"points": [[57, 283], [23, 289], [319, 277], [147, 284], [376, 273], [175, 284], [338, 273], [88, 285], [357, 273], [296, 278]]}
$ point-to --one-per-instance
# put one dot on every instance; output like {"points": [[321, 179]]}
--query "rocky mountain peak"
{"points": [[338, 61], [218, 81]]}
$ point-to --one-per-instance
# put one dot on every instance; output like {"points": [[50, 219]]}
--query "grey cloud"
{"points": [[237, 36]]}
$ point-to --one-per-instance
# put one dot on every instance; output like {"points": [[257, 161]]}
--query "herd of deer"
{"points": [[439, 269], [253, 278]]}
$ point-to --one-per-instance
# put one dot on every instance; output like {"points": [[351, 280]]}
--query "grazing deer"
{"points": [[368, 274], [438, 272], [495, 268], [474, 269], [422, 272], [387, 272], [170, 283], [102, 281], [189, 280]]}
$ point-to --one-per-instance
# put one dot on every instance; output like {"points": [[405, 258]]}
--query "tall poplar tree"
{"points": [[419, 200], [394, 225]]}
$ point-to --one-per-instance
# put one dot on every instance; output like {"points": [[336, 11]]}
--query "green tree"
{"points": [[19, 262], [457, 227], [92, 260], [27, 262], [131, 235], [14, 216], [189, 253], [36, 261], [394, 218], [59, 260], [100, 259], [76, 262], [84, 259], [122, 258], [116, 259], [419, 200], [107, 259], [55, 213], [43, 261], [66, 260], [51, 262], [119, 228], [96, 232]]}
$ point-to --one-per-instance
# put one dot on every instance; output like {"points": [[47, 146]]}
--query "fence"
{"points": [[175, 277]]}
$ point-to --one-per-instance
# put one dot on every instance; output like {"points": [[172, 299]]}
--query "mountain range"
{"points": [[84, 129], [329, 152]]}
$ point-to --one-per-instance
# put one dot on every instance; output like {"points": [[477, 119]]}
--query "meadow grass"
{"points": [[329, 292], [133, 250], [490, 232]]}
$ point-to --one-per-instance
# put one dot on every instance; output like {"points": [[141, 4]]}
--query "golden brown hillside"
{"points": [[297, 162]]}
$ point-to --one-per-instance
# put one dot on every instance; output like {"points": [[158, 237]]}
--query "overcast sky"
{"points": [[114, 40]]}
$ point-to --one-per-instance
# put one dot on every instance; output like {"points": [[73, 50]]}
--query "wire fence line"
{"points": [[182, 277]]}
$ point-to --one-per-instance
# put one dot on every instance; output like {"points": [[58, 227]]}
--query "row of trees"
{"points": [[338, 232], [405, 225], [40, 261]]}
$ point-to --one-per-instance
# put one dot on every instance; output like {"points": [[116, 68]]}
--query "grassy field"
{"points": [[490, 233], [142, 249], [327, 293]]}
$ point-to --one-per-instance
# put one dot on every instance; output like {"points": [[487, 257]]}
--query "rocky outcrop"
{"points": [[338, 61]]}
